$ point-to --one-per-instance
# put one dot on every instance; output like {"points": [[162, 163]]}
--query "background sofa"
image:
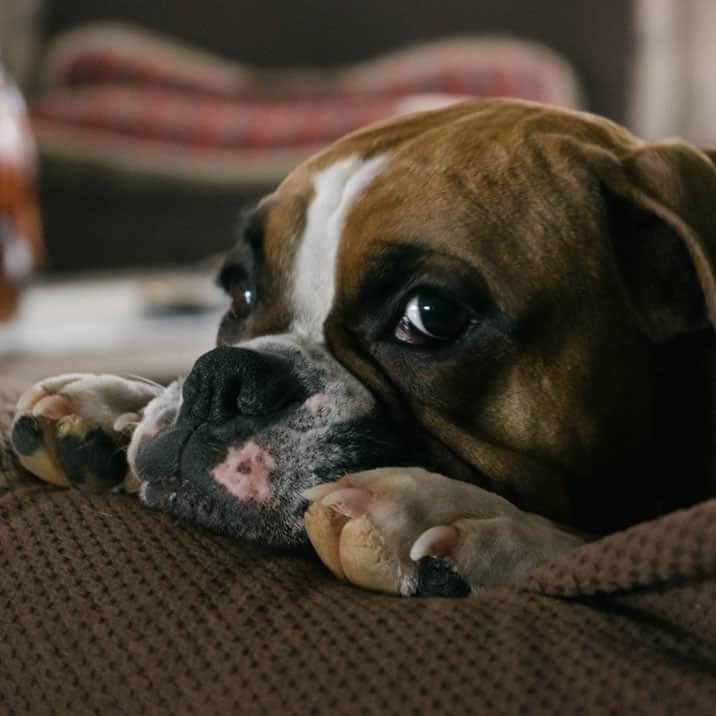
{"points": [[97, 219]]}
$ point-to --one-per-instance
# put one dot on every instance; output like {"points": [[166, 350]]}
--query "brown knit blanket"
{"points": [[108, 608]]}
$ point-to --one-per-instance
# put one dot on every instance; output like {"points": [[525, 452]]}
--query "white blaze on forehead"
{"points": [[335, 191]]}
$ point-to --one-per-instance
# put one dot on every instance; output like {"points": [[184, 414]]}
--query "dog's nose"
{"points": [[227, 382]]}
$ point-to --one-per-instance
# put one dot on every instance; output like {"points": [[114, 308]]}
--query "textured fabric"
{"points": [[106, 607]]}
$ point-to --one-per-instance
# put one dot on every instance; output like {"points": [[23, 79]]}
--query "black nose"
{"points": [[227, 382]]}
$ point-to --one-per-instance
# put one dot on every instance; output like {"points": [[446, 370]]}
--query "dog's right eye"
{"points": [[242, 301], [431, 318], [235, 283]]}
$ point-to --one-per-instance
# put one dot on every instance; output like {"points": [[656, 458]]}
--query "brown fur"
{"points": [[600, 414], [578, 384]]}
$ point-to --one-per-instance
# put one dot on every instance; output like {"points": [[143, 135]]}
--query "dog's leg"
{"points": [[411, 532], [74, 429]]}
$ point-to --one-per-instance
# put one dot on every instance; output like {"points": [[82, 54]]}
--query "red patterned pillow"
{"points": [[122, 97]]}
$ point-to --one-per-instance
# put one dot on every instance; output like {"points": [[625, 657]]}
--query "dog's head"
{"points": [[485, 290]]}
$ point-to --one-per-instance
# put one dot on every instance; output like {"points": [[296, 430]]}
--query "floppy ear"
{"points": [[662, 213]]}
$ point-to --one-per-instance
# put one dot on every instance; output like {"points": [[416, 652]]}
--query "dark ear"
{"points": [[662, 220]]}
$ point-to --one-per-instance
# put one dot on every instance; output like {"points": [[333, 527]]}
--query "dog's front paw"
{"points": [[411, 532], [74, 429]]}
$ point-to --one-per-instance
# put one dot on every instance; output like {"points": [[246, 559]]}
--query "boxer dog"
{"points": [[463, 339]]}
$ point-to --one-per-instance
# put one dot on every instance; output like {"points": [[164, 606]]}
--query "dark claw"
{"points": [[437, 578], [26, 435]]}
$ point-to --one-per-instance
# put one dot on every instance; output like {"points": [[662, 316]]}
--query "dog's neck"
{"points": [[710, 418], [683, 457], [675, 465]]}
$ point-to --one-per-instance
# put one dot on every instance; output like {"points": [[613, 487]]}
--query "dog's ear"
{"points": [[661, 199]]}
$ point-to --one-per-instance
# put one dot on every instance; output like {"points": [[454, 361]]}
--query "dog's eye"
{"points": [[235, 283], [429, 317], [242, 301]]}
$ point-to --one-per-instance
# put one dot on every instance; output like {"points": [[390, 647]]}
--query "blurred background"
{"points": [[152, 123]]}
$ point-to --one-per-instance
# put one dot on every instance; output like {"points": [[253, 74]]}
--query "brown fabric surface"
{"points": [[106, 607]]}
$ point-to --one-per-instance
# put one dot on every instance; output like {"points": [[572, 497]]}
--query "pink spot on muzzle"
{"points": [[316, 403], [244, 472]]}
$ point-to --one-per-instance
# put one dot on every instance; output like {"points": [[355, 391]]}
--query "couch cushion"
{"points": [[123, 98], [106, 607]]}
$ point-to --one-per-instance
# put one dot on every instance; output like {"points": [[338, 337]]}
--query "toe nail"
{"points": [[350, 501], [53, 407], [435, 542], [29, 398], [26, 435], [126, 421]]}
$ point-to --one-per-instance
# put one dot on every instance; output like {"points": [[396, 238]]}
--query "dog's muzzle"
{"points": [[249, 429]]}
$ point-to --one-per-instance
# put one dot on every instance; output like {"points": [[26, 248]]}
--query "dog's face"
{"points": [[460, 289]]}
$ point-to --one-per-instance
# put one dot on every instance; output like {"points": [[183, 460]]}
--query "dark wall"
{"points": [[595, 36]]}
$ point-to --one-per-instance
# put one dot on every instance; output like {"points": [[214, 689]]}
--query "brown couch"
{"points": [[108, 608]]}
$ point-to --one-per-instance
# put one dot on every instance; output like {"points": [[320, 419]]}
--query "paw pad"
{"points": [[89, 457], [65, 431]]}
